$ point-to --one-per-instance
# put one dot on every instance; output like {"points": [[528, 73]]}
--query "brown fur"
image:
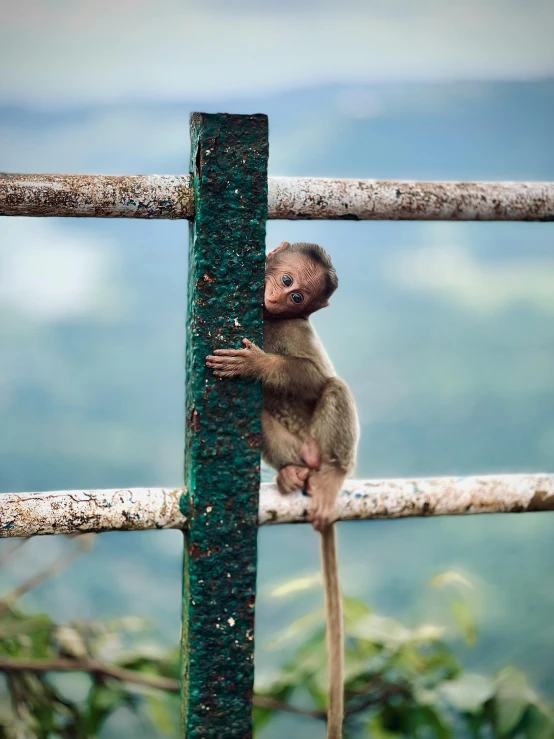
{"points": [[309, 422]]}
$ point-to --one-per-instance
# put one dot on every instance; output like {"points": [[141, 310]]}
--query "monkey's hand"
{"points": [[248, 362]]}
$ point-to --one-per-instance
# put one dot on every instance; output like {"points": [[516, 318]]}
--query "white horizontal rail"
{"points": [[369, 200], [136, 509], [289, 198], [96, 196]]}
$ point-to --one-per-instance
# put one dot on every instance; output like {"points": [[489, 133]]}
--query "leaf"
{"points": [[536, 724], [318, 689], [419, 719], [307, 661], [261, 717], [16, 627], [133, 624], [428, 633], [381, 630], [468, 692], [353, 610], [359, 666], [296, 585], [376, 730], [511, 699], [450, 577], [102, 701], [466, 622], [71, 641], [161, 713], [300, 627]]}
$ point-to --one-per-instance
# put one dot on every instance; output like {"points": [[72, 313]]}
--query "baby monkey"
{"points": [[309, 422]]}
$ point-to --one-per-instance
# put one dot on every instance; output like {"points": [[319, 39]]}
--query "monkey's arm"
{"points": [[291, 374]]}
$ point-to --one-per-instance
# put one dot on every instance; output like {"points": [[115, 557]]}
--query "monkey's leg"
{"points": [[291, 456], [334, 427], [280, 447]]}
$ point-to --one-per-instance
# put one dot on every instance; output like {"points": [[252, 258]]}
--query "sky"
{"points": [[64, 52]]}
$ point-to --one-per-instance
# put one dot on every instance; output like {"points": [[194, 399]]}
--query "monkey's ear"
{"points": [[282, 245], [326, 304]]}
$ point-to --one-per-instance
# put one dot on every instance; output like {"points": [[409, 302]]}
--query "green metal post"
{"points": [[223, 433]]}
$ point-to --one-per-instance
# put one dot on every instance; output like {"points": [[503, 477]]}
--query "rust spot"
{"points": [[541, 501], [195, 552], [195, 420], [254, 441]]}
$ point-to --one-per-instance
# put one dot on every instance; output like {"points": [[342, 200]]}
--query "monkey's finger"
{"points": [[225, 368], [230, 352], [319, 519], [284, 484], [225, 373], [223, 361], [317, 523], [314, 510], [248, 344]]}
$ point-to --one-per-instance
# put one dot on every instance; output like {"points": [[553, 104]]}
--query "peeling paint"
{"points": [[96, 196], [290, 198], [305, 198], [136, 509], [79, 511], [440, 496]]}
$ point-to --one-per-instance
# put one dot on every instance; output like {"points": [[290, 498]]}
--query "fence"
{"points": [[227, 199]]}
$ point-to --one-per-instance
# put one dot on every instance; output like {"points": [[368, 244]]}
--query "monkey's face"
{"points": [[293, 285]]}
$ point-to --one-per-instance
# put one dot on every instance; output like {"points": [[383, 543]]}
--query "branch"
{"points": [[17, 544], [9, 665], [39, 578], [171, 685], [263, 701], [375, 693]]}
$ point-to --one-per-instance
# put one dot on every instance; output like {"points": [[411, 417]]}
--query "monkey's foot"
{"points": [[324, 486], [309, 454], [291, 477]]}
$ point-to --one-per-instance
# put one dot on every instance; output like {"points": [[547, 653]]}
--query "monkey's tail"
{"points": [[335, 631]]}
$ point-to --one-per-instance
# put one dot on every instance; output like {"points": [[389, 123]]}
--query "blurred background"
{"points": [[443, 330]]}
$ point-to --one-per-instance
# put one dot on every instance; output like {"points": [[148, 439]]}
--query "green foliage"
{"points": [[406, 682], [110, 673], [70, 681]]}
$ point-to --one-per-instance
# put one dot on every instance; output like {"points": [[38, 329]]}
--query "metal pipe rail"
{"points": [[138, 509], [289, 198]]}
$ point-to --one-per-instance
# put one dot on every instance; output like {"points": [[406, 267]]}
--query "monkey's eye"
{"points": [[297, 298], [286, 280]]}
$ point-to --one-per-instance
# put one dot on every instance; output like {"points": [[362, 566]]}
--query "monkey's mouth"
{"points": [[272, 310]]}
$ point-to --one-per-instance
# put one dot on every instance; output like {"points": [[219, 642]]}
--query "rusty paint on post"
{"points": [[96, 196], [222, 456]]}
